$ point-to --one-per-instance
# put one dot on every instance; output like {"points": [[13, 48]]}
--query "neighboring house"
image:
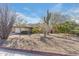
{"points": [[17, 29]]}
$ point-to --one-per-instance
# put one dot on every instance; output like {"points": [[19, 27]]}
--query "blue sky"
{"points": [[33, 12]]}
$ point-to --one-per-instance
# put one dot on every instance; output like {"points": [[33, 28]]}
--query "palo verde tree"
{"points": [[7, 19]]}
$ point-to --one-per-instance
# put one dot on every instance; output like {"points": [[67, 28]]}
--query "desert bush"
{"points": [[65, 27], [37, 30], [75, 31]]}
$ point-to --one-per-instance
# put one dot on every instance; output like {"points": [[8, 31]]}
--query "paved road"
{"points": [[6, 52], [19, 52]]}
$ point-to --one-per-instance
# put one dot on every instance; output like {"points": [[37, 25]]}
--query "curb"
{"points": [[35, 52]]}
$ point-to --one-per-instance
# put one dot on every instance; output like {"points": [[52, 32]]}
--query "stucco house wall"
{"points": [[16, 29]]}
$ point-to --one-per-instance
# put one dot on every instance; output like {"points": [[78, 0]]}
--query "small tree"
{"points": [[7, 18]]}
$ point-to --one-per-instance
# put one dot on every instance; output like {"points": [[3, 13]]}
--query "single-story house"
{"points": [[20, 29]]}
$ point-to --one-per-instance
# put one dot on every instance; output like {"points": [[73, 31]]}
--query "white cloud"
{"points": [[29, 19], [33, 20], [77, 21], [57, 7], [74, 13], [21, 16], [33, 12], [26, 8]]}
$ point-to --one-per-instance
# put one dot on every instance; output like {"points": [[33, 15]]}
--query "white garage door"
{"points": [[17, 30]]}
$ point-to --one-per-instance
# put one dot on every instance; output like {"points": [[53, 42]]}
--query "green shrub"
{"points": [[65, 27], [37, 30], [76, 31]]}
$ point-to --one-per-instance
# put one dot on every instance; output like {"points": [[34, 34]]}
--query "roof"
{"points": [[22, 26]]}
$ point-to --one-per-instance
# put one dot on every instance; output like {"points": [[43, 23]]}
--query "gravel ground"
{"points": [[60, 43]]}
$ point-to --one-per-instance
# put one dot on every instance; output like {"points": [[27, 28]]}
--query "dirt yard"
{"points": [[57, 43]]}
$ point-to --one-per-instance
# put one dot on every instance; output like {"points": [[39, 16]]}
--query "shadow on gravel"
{"points": [[46, 40], [61, 44], [2, 41]]}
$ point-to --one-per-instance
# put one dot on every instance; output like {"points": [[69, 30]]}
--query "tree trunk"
{"points": [[45, 34]]}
